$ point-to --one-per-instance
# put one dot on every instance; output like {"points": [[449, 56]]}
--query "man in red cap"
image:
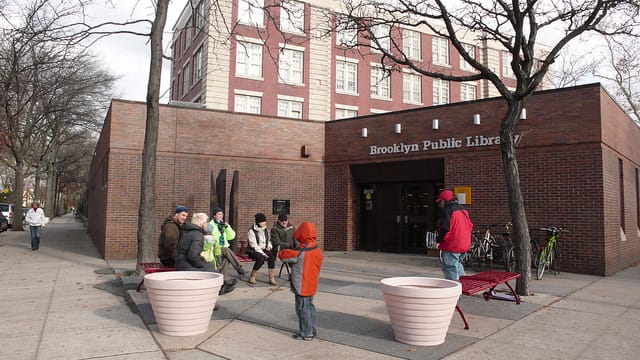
{"points": [[454, 235]]}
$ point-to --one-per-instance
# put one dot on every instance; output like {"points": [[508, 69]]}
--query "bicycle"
{"points": [[481, 251], [549, 255]]}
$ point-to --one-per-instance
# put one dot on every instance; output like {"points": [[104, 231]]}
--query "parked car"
{"points": [[7, 212], [4, 223]]}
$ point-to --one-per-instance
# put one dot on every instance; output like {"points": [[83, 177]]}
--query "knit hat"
{"points": [[216, 210], [446, 195], [282, 217], [260, 217], [180, 209]]}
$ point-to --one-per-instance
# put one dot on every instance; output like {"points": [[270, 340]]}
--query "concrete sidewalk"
{"points": [[63, 301]]}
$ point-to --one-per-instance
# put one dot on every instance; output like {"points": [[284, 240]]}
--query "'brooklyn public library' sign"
{"points": [[438, 144]]}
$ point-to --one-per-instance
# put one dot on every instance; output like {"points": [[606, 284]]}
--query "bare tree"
{"points": [[513, 26]]}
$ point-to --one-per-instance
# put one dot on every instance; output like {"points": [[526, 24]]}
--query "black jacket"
{"points": [[189, 249]]}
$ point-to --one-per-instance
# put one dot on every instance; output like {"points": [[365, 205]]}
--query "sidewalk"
{"points": [[64, 302]]}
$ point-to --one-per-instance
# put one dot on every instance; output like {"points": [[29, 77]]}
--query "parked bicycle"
{"points": [[481, 253], [509, 256], [549, 255]]}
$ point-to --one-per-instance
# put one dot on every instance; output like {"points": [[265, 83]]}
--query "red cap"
{"points": [[446, 195]]}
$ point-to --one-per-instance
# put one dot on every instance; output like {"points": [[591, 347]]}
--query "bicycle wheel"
{"points": [[478, 258], [543, 262], [553, 263], [535, 252], [509, 258]]}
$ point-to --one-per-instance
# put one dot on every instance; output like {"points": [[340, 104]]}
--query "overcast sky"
{"points": [[128, 55]]}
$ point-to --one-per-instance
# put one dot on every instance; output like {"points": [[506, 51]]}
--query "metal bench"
{"points": [[243, 257], [149, 268], [487, 280]]}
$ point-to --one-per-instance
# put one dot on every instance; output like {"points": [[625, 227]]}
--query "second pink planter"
{"points": [[420, 308]]}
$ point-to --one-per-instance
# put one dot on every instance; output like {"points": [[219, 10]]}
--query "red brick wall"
{"points": [[192, 143]]}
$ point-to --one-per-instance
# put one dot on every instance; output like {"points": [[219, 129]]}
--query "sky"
{"points": [[128, 56]]}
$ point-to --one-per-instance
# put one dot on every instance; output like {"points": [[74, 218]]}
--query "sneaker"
{"points": [[231, 282], [300, 337], [240, 271], [315, 332], [225, 289]]}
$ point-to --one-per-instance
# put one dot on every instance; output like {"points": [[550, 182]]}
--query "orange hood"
{"points": [[306, 233]]}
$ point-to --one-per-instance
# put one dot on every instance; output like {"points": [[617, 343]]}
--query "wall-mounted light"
{"points": [[434, 124], [523, 114], [476, 119], [365, 132], [304, 151], [398, 128]]}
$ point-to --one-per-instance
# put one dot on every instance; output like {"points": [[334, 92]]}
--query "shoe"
{"points": [[300, 337], [231, 282], [225, 289], [315, 332], [216, 307], [240, 271]]}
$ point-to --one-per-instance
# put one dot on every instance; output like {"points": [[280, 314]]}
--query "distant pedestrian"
{"points": [[305, 261], [36, 220], [454, 235], [260, 248], [170, 234]]}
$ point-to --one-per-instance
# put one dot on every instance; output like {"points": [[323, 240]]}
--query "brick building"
{"points": [[577, 153], [284, 61]]}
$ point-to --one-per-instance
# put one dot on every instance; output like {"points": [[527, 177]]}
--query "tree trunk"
{"points": [[52, 180], [18, 188], [147, 209], [520, 231]]}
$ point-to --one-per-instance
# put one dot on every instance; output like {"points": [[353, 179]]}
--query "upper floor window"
{"points": [[248, 103], [290, 108], [197, 65], [381, 34], [344, 113], [471, 50], [249, 59], [346, 32], [251, 12], [506, 65], [380, 82], [411, 88], [411, 44], [292, 16], [346, 76], [187, 38], [440, 50], [185, 79], [440, 92], [200, 16], [467, 91], [291, 64]]}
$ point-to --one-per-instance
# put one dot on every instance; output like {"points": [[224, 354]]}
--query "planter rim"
{"points": [[183, 280], [417, 286]]}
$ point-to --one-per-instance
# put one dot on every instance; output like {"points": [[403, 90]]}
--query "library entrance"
{"points": [[396, 204]]}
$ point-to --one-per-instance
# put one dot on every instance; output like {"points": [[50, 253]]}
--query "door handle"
{"points": [[406, 219], [398, 219]]}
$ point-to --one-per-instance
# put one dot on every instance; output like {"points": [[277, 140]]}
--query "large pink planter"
{"points": [[420, 308], [183, 301]]}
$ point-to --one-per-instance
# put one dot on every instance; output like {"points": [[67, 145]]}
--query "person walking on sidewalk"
{"points": [[259, 249], [223, 233], [305, 261], [454, 235], [189, 257], [36, 220], [170, 234]]}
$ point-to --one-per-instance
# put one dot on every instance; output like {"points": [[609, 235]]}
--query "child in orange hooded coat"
{"points": [[305, 261]]}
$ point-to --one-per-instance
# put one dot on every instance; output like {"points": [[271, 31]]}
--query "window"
{"points": [[412, 88], [251, 12], [343, 113], [200, 16], [440, 49], [290, 108], [381, 34], [471, 50], [346, 32], [440, 92], [380, 82], [187, 37], [291, 66], [506, 65], [292, 16], [467, 91], [411, 44], [185, 79], [197, 65], [248, 104], [249, 60], [347, 77]]}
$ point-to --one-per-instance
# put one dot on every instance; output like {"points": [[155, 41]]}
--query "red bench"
{"points": [[243, 257], [487, 280], [149, 268]]}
